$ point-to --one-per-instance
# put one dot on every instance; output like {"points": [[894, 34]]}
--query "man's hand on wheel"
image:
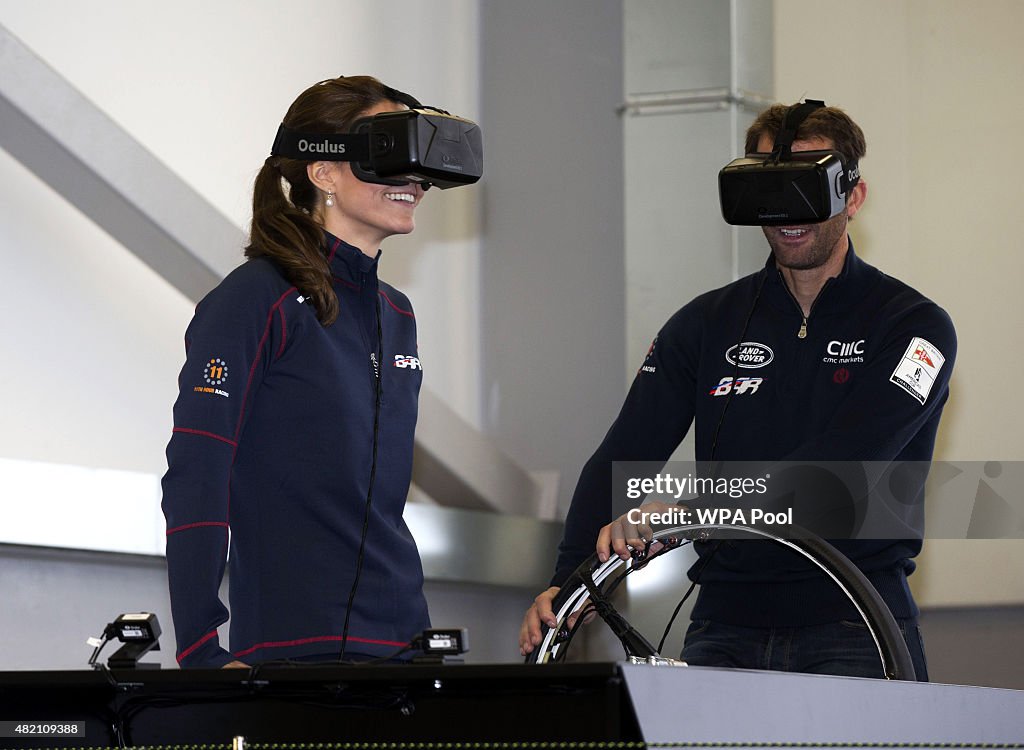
{"points": [[621, 534], [539, 612], [617, 537]]}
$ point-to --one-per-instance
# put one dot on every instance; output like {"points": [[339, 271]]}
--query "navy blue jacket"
{"points": [[831, 395], [273, 435]]}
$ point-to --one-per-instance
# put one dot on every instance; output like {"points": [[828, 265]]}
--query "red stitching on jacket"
{"points": [[203, 433], [176, 529], [284, 331], [256, 359], [316, 639], [196, 645], [334, 249], [397, 309]]}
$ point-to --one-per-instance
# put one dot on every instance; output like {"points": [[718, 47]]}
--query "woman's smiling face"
{"points": [[364, 213]]}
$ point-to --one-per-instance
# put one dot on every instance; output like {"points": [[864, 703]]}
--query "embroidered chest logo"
{"points": [[215, 373], [749, 355], [741, 385], [844, 352], [407, 362]]}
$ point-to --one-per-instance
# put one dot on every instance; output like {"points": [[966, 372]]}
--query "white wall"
{"points": [[935, 86]]}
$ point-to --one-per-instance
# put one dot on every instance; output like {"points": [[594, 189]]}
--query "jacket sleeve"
{"points": [[228, 346], [654, 419]]}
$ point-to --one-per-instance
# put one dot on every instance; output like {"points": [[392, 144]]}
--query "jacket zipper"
{"points": [[376, 348], [802, 331]]}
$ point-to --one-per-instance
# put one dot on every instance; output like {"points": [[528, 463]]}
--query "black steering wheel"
{"points": [[593, 581]]}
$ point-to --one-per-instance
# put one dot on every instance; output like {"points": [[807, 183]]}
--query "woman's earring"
{"points": [[329, 201]]}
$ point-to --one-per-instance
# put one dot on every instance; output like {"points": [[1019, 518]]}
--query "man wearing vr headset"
{"points": [[859, 371], [294, 423]]}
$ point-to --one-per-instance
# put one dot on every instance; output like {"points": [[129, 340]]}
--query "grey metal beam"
{"points": [[452, 456], [62, 137], [80, 152], [696, 100]]}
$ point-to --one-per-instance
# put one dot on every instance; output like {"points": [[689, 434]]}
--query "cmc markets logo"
{"points": [[844, 352], [845, 348], [749, 354]]}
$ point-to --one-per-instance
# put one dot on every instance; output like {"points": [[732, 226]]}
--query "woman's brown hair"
{"points": [[285, 202]]}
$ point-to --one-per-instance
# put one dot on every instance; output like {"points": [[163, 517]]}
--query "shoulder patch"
{"points": [[648, 366], [918, 368], [215, 374]]}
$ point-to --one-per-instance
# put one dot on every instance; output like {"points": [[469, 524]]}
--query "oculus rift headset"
{"points": [[786, 187], [421, 144]]}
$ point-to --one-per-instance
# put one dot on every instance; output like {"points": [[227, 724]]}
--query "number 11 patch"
{"points": [[918, 368]]}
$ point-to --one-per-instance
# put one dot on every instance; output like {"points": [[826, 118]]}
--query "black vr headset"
{"points": [[786, 187], [420, 144]]}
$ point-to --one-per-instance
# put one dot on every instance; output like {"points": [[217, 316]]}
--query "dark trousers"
{"points": [[836, 648]]}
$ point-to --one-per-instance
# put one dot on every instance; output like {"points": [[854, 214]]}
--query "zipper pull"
{"points": [[802, 333]]}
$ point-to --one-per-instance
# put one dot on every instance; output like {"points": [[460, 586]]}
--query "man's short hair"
{"points": [[826, 122]]}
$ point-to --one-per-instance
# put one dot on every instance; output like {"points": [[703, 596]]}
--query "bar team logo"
{"points": [[740, 386], [407, 361]]}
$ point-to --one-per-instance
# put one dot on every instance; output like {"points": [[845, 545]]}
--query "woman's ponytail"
{"points": [[289, 235]]}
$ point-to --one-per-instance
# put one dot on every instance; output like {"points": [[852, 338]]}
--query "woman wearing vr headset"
{"points": [[294, 423]]}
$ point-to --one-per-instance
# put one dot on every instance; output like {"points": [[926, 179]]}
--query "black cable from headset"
{"points": [[714, 445], [378, 392], [696, 579], [736, 364]]}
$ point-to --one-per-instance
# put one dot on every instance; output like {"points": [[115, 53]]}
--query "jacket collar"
{"points": [[348, 262], [839, 293]]}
